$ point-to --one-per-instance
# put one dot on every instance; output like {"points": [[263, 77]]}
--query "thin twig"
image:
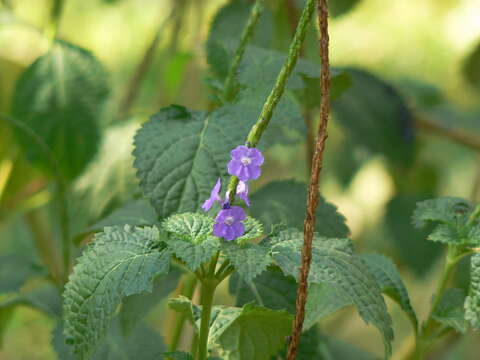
{"points": [[313, 192], [457, 136], [142, 67]]}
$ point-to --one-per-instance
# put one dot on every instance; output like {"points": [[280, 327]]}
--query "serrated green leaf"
{"points": [[190, 227], [253, 230], [136, 307], [179, 154], [178, 355], [249, 260], [471, 67], [120, 262], [390, 282], [284, 202], [348, 274], [472, 302], [450, 310], [194, 255], [376, 117], [251, 332], [60, 97]]}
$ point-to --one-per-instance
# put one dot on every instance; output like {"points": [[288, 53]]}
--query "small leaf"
{"points": [[249, 260], [190, 227], [390, 282], [334, 264], [253, 230], [472, 302], [61, 97], [284, 202], [450, 311], [120, 262]]}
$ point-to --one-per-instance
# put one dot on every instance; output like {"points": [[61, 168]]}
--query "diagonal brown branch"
{"points": [[313, 192]]}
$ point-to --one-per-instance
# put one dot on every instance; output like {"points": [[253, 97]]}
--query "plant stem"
{"points": [[55, 16], [229, 86], [206, 300], [189, 284], [313, 192], [259, 127]]}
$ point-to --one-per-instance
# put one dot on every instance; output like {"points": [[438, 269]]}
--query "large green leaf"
{"points": [[120, 262], [190, 227], [285, 202], [60, 97], [250, 260], [472, 302], [194, 255], [376, 117], [390, 282], [334, 263], [450, 310]]}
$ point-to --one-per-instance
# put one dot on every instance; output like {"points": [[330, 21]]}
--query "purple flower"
{"points": [[245, 163], [229, 223], [214, 196], [242, 192]]}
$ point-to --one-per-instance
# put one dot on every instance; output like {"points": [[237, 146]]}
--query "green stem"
{"points": [[430, 327], [474, 216], [229, 86], [55, 15], [190, 282], [206, 300], [276, 94]]}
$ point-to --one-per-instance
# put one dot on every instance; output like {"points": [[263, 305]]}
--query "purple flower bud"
{"points": [[242, 192], [245, 163], [229, 223], [214, 196]]}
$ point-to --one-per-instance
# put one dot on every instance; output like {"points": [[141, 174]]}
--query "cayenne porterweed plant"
{"points": [[206, 216]]}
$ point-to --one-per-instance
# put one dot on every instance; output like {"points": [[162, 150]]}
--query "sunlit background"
{"points": [[419, 46]]}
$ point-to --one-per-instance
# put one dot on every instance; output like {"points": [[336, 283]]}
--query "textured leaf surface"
{"points": [[376, 117], [190, 227], [333, 263], [284, 202], [390, 282], [251, 332], [249, 260], [472, 302], [120, 262], [179, 154], [450, 311], [60, 97], [194, 255], [253, 230]]}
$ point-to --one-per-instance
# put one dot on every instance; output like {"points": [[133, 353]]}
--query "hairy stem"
{"points": [[271, 103], [206, 300], [247, 34], [188, 288], [313, 193]]}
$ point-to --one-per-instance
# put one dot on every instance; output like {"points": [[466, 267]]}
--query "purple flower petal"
{"points": [[238, 152], [228, 223], [238, 213], [242, 192], [245, 163], [256, 156], [214, 196]]}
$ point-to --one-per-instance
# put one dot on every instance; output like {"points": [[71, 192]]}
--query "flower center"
{"points": [[245, 160], [229, 220]]}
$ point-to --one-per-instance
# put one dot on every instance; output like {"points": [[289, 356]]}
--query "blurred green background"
{"points": [[425, 49]]}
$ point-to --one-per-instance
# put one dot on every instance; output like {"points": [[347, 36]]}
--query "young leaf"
{"points": [[376, 117], [194, 228], [284, 202], [60, 97], [251, 332], [333, 263], [472, 302], [450, 311], [253, 230], [390, 282], [193, 254], [120, 262], [249, 260]]}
